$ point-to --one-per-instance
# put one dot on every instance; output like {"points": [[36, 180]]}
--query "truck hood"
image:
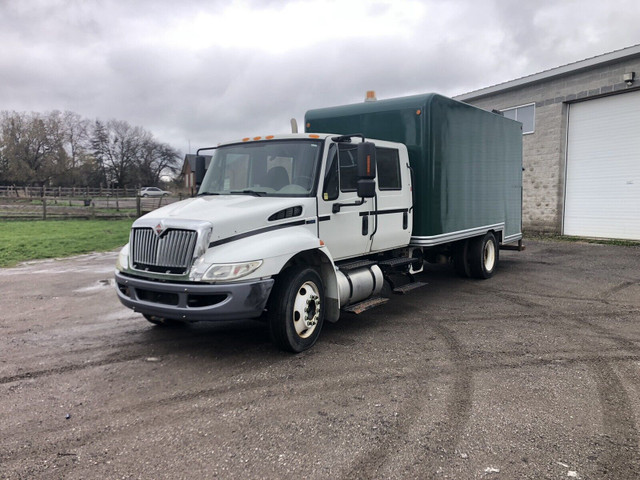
{"points": [[230, 214]]}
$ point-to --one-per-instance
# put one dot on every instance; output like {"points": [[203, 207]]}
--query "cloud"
{"points": [[201, 72]]}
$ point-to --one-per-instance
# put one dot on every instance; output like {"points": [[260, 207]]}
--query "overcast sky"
{"points": [[196, 72]]}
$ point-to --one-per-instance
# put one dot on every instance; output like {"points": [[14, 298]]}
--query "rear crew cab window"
{"points": [[388, 166]]}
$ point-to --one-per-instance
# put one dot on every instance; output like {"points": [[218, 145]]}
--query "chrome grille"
{"points": [[169, 253]]}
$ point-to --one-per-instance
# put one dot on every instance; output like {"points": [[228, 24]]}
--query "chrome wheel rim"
{"points": [[489, 256], [306, 309]]}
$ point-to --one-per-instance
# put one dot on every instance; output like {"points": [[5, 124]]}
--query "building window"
{"points": [[524, 114]]}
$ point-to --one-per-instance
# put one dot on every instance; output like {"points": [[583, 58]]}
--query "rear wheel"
{"points": [[483, 255], [296, 309]]}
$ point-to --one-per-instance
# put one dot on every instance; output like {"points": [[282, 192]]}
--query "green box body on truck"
{"points": [[467, 162]]}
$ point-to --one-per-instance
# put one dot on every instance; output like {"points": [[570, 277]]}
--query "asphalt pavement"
{"points": [[532, 374]]}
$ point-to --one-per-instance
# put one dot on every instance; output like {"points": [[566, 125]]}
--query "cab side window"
{"points": [[348, 155]]}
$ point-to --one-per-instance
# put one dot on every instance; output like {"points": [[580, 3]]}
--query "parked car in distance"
{"points": [[153, 192]]}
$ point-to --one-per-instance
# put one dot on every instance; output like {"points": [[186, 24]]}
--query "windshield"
{"points": [[271, 168]]}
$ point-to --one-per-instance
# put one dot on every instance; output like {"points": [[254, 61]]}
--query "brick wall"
{"points": [[544, 150]]}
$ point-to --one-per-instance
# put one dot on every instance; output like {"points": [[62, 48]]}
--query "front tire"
{"points": [[483, 256], [296, 309]]}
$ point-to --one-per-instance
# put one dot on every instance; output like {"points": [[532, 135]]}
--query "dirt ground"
{"points": [[532, 374]]}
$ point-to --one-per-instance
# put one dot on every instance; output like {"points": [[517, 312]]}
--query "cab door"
{"points": [[343, 221], [393, 214]]}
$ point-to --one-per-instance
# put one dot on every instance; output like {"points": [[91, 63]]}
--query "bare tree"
{"points": [[62, 148], [117, 146], [156, 159], [26, 148]]}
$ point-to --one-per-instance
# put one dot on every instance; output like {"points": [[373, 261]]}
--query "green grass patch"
{"points": [[30, 240]]}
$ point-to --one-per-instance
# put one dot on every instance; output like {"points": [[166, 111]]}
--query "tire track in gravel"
{"points": [[69, 368], [186, 337], [620, 456], [620, 450], [603, 298], [227, 396], [447, 432]]}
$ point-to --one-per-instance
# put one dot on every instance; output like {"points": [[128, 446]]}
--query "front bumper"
{"points": [[194, 301]]}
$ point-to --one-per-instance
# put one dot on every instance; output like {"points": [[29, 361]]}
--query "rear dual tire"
{"points": [[476, 257]]}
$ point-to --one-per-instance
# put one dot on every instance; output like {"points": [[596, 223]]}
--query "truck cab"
{"points": [[273, 220]]}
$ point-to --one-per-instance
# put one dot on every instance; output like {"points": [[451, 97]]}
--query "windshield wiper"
{"points": [[250, 192], [207, 193]]}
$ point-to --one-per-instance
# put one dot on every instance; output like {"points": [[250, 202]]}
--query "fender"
{"points": [[277, 249]]}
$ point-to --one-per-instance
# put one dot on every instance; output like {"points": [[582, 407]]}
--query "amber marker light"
{"points": [[246, 139], [321, 243], [257, 138], [314, 136], [269, 137]]}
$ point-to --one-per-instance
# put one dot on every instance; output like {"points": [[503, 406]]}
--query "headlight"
{"points": [[123, 258], [230, 271]]}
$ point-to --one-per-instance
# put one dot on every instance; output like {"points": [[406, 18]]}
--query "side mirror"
{"points": [[366, 188], [200, 171], [366, 160]]}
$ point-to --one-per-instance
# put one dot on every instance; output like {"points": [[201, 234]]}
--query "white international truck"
{"points": [[294, 229]]}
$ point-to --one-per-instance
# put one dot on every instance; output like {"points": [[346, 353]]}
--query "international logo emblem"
{"points": [[159, 229]]}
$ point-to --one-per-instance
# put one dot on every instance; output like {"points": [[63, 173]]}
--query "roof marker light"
{"points": [[246, 139], [314, 136], [269, 137], [257, 138]]}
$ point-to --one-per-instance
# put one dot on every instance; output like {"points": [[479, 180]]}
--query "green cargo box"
{"points": [[467, 162]]}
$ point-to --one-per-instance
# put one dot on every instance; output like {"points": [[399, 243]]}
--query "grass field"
{"points": [[31, 240]]}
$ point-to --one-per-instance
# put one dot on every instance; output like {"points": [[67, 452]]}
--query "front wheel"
{"points": [[483, 255], [296, 309]]}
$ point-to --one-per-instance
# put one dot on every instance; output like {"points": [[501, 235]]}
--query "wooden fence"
{"points": [[55, 192], [68, 206]]}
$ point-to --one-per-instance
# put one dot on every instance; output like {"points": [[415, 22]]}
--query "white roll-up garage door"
{"points": [[602, 196]]}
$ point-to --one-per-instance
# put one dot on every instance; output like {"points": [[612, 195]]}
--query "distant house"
{"points": [[189, 170], [581, 127]]}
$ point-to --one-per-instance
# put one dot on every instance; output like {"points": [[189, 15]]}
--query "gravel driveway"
{"points": [[532, 374]]}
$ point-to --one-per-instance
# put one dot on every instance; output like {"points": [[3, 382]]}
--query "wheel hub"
{"points": [[312, 311], [489, 255]]}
